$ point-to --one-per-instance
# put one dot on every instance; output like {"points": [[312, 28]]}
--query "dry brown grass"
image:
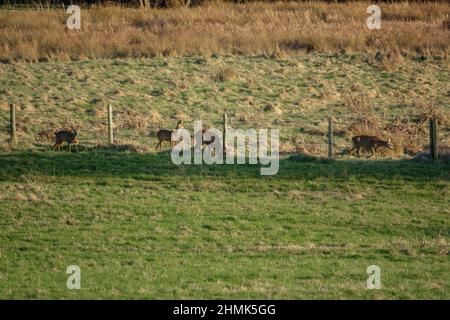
{"points": [[130, 119], [256, 28], [224, 74]]}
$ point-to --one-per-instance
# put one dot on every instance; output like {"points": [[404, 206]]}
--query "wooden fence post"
{"points": [[330, 139], [434, 139], [225, 126], [12, 112], [110, 125]]}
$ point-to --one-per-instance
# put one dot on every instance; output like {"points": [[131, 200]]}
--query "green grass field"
{"points": [[140, 227]]}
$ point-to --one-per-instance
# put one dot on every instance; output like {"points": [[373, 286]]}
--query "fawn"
{"points": [[69, 136], [369, 143], [166, 135]]}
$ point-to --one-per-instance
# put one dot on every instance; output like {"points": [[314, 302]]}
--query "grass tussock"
{"points": [[272, 29], [224, 74]]}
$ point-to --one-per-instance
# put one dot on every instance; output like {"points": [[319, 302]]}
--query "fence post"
{"points": [[434, 139], [12, 112], [110, 125], [225, 126], [330, 139]]}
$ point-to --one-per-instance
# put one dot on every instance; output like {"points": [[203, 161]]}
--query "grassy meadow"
{"points": [[294, 94], [139, 226]]}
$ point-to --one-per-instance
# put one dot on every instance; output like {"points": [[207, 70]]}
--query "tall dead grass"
{"points": [[224, 28]]}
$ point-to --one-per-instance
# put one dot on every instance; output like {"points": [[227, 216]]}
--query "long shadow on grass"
{"points": [[156, 166]]}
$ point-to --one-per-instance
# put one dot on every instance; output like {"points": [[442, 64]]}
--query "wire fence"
{"points": [[132, 131]]}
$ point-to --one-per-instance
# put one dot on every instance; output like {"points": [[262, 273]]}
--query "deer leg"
{"points": [[158, 145], [373, 152], [56, 146], [376, 150], [358, 152], [69, 146]]}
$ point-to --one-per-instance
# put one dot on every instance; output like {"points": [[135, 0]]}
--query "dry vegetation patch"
{"points": [[271, 29], [130, 119]]}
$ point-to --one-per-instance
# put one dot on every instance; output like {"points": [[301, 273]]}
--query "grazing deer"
{"points": [[69, 136], [166, 135], [369, 143]]}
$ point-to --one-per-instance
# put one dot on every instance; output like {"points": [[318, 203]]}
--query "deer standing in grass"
{"points": [[166, 135], [369, 143], [69, 136]]}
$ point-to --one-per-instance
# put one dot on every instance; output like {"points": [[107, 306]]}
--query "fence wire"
{"points": [[137, 132]]}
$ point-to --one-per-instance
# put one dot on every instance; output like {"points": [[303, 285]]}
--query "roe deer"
{"points": [[166, 135], [369, 143], [69, 136]]}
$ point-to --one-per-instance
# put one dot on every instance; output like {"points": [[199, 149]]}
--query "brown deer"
{"points": [[166, 135], [69, 136], [369, 143]]}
